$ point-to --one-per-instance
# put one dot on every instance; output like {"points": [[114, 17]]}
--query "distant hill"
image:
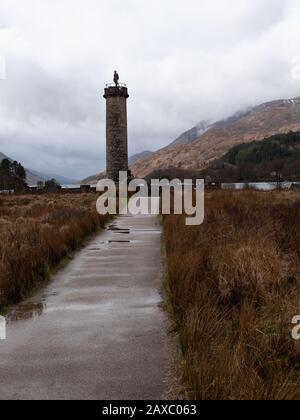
{"points": [[93, 179], [278, 155], [139, 156], [44, 177], [194, 133], [33, 177], [254, 124]]}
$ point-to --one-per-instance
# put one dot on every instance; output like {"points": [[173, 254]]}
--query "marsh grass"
{"points": [[36, 233], [233, 286]]}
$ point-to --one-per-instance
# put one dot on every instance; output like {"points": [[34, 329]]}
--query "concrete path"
{"points": [[96, 332]]}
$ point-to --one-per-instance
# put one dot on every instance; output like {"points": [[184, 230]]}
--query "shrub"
{"points": [[36, 233], [233, 285]]}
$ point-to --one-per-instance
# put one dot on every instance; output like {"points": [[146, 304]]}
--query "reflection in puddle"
{"points": [[115, 229], [49, 294], [118, 242], [25, 311], [147, 230], [97, 247]]}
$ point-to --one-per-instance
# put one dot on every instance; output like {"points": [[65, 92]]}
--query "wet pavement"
{"points": [[96, 331]]}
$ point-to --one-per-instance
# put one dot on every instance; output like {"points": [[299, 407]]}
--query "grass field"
{"points": [[37, 232], [233, 286]]}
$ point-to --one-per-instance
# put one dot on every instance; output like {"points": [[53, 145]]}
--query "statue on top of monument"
{"points": [[116, 78]]}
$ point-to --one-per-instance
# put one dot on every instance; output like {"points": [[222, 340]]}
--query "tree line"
{"points": [[277, 147], [276, 157], [12, 169], [13, 176]]}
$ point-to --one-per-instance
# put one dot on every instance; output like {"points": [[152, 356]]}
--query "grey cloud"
{"points": [[183, 62]]}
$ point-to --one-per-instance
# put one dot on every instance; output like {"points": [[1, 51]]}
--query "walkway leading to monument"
{"points": [[96, 331]]}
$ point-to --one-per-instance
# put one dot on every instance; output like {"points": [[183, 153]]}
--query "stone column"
{"points": [[116, 131]]}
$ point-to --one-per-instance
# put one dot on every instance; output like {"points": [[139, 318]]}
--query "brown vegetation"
{"points": [[36, 233], [234, 286]]}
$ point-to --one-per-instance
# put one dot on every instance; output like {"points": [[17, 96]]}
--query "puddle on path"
{"points": [[121, 231], [29, 310], [112, 241], [106, 298], [33, 309], [26, 311]]}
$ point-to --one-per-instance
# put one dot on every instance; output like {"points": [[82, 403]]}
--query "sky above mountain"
{"points": [[183, 61]]}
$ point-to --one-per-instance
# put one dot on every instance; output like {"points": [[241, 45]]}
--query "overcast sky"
{"points": [[183, 60]]}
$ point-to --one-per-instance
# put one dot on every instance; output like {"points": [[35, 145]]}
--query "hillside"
{"points": [[275, 157], [281, 147], [35, 175], [191, 135], [254, 124], [93, 179], [133, 159]]}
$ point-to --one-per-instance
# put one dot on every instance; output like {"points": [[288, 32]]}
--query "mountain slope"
{"points": [[257, 123], [31, 173], [93, 179], [133, 159], [190, 135], [277, 157], [276, 148]]}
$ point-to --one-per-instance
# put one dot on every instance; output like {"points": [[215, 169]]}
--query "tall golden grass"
{"points": [[233, 286], [36, 233]]}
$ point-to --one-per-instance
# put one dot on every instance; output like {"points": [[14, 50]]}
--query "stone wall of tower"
{"points": [[116, 131]]}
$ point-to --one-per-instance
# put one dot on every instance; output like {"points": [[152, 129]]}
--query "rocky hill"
{"points": [[257, 123]]}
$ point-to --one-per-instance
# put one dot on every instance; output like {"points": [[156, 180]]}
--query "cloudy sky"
{"points": [[183, 60]]}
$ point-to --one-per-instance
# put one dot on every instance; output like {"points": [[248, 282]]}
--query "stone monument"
{"points": [[116, 96]]}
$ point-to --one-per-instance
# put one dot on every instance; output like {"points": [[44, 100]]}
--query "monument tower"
{"points": [[116, 96]]}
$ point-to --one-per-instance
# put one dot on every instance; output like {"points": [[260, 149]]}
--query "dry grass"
{"points": [[36, 233], [234, 286]]}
